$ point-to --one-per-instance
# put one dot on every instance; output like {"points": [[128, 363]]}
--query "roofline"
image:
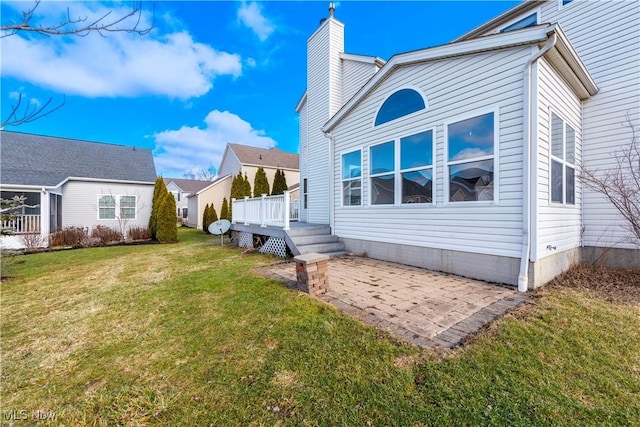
{"points": [[363, 58], [301, 102], [270, 167], [112, 181], [523, 37], [9, 187], [112, 144], [501, 19], [209, 186]]}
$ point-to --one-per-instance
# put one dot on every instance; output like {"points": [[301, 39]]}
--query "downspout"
{"points": [[529, 118], [331, 178]]}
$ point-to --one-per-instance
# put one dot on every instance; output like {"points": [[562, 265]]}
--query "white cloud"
{"points": [[250, 15], [121, 64], [190, 147]]}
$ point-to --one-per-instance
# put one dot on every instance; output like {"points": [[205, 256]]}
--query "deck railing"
{"points": [[276, 211], [22, 224]]}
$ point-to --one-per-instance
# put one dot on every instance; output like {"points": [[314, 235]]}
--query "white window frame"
{"points": [[496, 158], [562, 6], [394, 173], [520, 17], [342, 180], [117, 209], [397, 172], [563, 162]]}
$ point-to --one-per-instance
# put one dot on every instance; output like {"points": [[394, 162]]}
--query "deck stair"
{"points": [[317, 238]]}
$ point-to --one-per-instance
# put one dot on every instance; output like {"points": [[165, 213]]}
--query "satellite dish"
{"points": [[219, 227]]}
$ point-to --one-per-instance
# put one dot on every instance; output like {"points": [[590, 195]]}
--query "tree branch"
{"points": [[78, 26], [30, 112]]}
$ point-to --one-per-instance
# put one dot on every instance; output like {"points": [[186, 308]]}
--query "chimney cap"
{"points": [[332, 9]]}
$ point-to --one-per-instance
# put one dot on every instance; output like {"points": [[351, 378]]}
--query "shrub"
{"points": [[260, 183], [158, 190], [139, 233], [32, 241], [70, 236], [106, 234], [279, 183], [167, 221], [224, 211]]}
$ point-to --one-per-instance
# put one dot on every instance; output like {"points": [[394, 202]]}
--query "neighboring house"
{"points": [[245, 159], [181, 189], [464, 157], [68, 182]]}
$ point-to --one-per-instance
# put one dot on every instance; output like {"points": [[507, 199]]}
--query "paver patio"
{"points": [[424, 307]]}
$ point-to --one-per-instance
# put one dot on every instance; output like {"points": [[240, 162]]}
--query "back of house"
{"points": [[466, 157]]}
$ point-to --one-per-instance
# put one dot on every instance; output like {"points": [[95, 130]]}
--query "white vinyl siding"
{"points": [[605, 35], [355, 75], [455, 87], [324, 99], [80, 203], [558, 225]]}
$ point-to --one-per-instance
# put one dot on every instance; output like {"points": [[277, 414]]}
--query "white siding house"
{"points": [[72, 183], [481, 178]]}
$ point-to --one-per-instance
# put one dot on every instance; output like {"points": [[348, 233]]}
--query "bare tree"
{"points": [[129, 22], [202, 174], [620, 184]]}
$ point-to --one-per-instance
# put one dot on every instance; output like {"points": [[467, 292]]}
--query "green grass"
{"points": [[186, 334]]}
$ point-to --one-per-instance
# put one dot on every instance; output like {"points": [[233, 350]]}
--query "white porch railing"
{"points": [[276, 211], [23, 224]]}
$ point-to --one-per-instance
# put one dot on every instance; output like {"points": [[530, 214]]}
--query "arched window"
{"points": [[401, 103]]}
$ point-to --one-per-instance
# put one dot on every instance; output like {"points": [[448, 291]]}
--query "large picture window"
{"points": [[382, 173], [563, 157], [416, 167], [471, 158], [352, 178]]}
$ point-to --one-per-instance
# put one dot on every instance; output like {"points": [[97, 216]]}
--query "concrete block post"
{"points": [[312, 273]]}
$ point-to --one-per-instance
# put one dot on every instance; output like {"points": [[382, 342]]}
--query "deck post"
{"points": [[233, 219], [246, 200], [263, 210], [287, 209]]}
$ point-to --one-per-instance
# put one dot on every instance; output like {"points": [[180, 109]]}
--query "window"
{"points": [[106, 207], [116, 207], [352, 179], [563, 157], [399, 104], [304, 192], [185, 212], [416, 167], [127, 207], [566, 2], [470, 159], [528, 21], [382, 173]]}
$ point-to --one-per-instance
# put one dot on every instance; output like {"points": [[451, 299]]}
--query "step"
{"points": [[321, 248], [336, 254], [309, 231], [312, 240]]}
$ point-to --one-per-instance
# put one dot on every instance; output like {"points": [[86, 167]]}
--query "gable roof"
{"points": [[29, 159], [213, 183], [187, 185], [562, 55], [272, 157]]}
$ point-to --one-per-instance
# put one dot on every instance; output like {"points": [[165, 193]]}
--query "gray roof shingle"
{"points": [[29, 159], [188, 185]]}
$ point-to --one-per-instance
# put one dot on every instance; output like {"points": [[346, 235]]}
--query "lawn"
{"points": [[186, 334]]}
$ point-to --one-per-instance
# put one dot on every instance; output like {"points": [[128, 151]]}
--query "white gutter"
{"points": [[529, 118], [331, 178]]}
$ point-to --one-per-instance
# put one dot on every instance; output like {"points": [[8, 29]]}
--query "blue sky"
{"points": [[210, 72]]}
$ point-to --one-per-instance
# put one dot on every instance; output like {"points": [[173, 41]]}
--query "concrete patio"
{"points": [[423, 307]]}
